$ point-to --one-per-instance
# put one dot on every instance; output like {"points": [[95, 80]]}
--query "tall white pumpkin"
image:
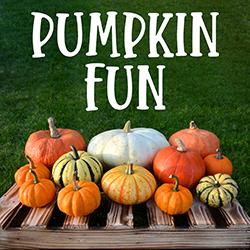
{"points": [[121, 146]]}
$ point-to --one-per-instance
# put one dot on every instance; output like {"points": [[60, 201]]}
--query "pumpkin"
{"points": [[79, 198], [87, 167], [195, 139], [128, 184], [119, 146], [46, 146], [24, 173], [36, 192], [187, 165], [173, 199], [217, 190], [218, 163]]}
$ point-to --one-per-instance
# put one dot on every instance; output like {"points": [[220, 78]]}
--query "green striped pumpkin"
{"points": [[87, 168], [217, 190]]}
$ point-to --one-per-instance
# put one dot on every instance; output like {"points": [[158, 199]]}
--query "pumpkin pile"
{"points": [[127, 164]]}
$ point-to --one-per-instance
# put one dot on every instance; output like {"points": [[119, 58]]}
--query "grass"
{"points": [[212, 91]]}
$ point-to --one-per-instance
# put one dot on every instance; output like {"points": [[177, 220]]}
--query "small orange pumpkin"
{"points": [[37, 192], [24, 173], [79, 198], [199, 140], [218, 163], [173, 199], [47, 146]]}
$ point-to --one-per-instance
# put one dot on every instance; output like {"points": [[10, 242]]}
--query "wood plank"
{"points": [[38, 217], [199, 215], [235, 215], [126, 239], [76, 223], [158, 219], [9, 206], [119, 217]]}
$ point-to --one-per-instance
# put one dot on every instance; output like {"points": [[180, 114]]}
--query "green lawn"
{"points": [[212, 91]]}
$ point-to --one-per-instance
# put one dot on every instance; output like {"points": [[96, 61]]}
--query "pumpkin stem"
{"points": [[130, 169], [219, 155], [53, 131], [31, 163], [176, 182], [181, 147], [34, 175], [216, 184], [192, 125], [76, 186], [127, 127], [76, 155]]}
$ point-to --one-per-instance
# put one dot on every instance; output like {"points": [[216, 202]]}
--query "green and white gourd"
{"points": [[87, 168]]}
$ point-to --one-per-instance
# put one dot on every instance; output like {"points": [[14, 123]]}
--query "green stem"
{"points": [[192, 125], [219, 155], [176, 182], [52, 128], [76, 155], [127, 127], [76, 186], [130, 169], [35, 176], [31, 163]]}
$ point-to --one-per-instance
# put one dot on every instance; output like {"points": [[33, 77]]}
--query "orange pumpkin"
{"points": [[187, 165], [195, 139], [173, 199], [79, 198], [37, 192], [24, 173], [218, 163], [128, 184], [46, 146]]}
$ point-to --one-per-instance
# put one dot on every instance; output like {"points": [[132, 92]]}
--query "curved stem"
{"points": [[219, 155], [35, 176], [180, 145], [192, 125], [130, 169], [127, 127], [176, 182], [76, 155], [53, 131], [31, 163], [76, 186]]}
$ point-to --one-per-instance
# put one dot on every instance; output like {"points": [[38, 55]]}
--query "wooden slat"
{"points": [[119, 217], [9, 206], [76, 223], [38, 217], [199, 215], [158, 219], [235, 215]]}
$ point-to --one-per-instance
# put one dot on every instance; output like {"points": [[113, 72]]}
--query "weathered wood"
{"points": [[119, 217], [235, 216], [9, 206], [38, 217], [126, 239], [199, 215], [158, 219], [76, 223]]}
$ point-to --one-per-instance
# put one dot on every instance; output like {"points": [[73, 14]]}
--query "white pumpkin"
{"points": [[121, 146]]}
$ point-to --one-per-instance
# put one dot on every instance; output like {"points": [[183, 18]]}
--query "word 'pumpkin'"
{"points": [[46, 146], [198, 140], [173, 199], [186, 164], [217, 190], [119, 146], [87, 167], [128, 184]]}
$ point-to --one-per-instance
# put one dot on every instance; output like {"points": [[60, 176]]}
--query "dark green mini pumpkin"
{"points": [[87, 167], [217, 190]]}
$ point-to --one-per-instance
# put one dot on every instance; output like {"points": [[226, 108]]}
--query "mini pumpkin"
{"points": [[46, 146], [187, 165], [173, 199], [79, 198], [218, 163], [217, 190], [24, 173], [37, 192], [87, 167], [119, 146], [199, 140], [128, 184]]}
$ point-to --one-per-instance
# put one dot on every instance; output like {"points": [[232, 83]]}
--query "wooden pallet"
{"points": [[200, 228]]}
